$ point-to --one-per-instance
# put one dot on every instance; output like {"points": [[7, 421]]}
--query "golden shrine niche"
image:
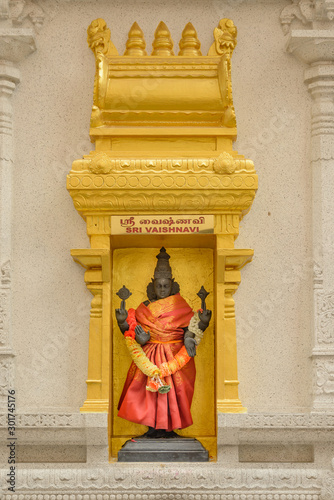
{"points": [[163, 127]]}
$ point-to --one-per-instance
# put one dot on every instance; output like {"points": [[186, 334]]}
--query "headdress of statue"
{"points": [[162, 271]]}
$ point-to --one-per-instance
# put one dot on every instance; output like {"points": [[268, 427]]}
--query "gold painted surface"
{"points": [[192, 268]]}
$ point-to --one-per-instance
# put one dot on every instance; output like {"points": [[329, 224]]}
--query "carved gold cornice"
{"points": [[163, 127]]}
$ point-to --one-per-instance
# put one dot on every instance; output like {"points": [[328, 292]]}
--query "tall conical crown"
{"points": [[135, 46], [163, 269], [189, 43], [162, 43]]}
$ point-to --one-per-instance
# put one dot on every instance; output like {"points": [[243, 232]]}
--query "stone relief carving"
{"points": [[6, 273], [6, 378], [318, 276], [306, 12], [283, 421], [3, 319], [324, 377], [206, 482], [325, 318], [327, 491], [26, 11]]}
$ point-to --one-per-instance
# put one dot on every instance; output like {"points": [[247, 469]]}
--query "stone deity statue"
{"points": [[162, 335]]}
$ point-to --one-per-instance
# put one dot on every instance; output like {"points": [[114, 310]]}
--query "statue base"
{"points": [[163, 450]]}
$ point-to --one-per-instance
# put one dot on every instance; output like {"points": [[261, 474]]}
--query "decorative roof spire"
{"points": [[162, 43], [189, 43], [135, 46]]}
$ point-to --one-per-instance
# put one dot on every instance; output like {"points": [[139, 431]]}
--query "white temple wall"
{"points": [[52, 109]]}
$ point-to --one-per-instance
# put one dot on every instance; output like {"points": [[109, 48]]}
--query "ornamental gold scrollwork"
{"points": [[225, 164], [98, 38], [225, 37], [102, 163], [160, 202]]}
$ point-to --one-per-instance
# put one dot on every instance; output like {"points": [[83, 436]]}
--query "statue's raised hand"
{"points": [[141, 336], [205, 317], [121, 315]]}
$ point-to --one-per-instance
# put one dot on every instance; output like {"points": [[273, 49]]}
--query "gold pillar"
{"points": [[228, 261], [97, 278]]}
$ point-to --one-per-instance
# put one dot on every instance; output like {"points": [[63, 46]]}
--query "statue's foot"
{"points": [[172, 435], [153, 433], [148, 434]]}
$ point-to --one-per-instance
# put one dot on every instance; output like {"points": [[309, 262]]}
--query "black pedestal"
{"points": [[163, 450]]}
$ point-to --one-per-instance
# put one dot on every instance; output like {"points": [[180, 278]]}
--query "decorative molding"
{"points": [[172, 481], [6, 273], [149, 181], [318, 277], [325, 318], [327, 491], [45, 419], [6, 378], [161, 202], [295, 421], [197, 494], [101, 163], [3, 318], [306, 14], [277, 421], [324, 377]]}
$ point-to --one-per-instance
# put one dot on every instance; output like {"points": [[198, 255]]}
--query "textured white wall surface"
{"points": [[52, 111]]}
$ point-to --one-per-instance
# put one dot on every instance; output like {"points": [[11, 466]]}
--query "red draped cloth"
{"points": [[165, 319]]}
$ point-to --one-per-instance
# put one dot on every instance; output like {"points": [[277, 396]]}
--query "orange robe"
{"points": [[165, 320]]}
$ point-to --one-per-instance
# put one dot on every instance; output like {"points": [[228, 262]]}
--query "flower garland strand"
{"points": [[137, 354], [194, 328]]}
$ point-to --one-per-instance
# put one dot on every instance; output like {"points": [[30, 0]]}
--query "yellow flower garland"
{"points": [[140, 359]]}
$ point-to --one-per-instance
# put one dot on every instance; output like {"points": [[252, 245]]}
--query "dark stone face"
{"points": [[162, 287]]}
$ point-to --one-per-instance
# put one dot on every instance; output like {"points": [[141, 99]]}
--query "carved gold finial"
{"points": [[99, 38], [224, 164], [162, 43], [225, 38], [189, 43], [135, 46]]}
